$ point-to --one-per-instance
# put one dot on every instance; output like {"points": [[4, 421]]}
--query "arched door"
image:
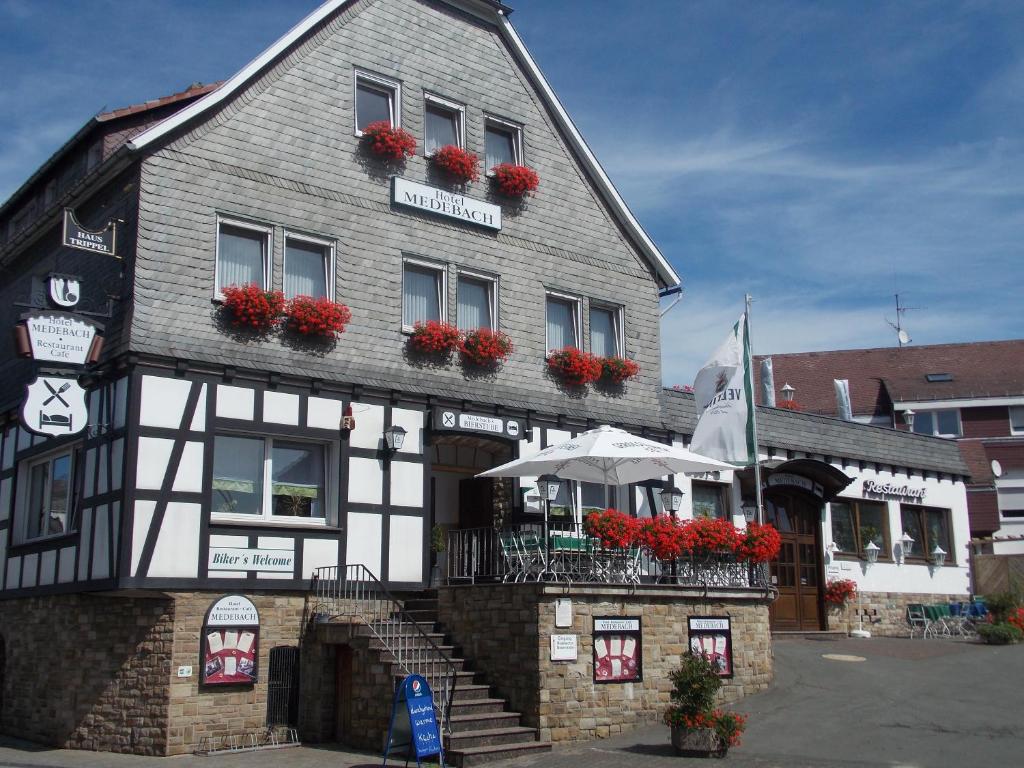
{"points": [[798, 571]]}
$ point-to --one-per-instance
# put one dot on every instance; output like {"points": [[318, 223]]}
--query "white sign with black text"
{"points": [[616, 625], [449, 204], [59, 337], [564, 647], [251, 559]]}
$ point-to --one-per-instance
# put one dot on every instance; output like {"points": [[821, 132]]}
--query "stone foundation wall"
{"points": [[88, 672], [505, 630], [886, 612]]}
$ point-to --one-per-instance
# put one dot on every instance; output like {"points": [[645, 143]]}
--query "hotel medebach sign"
{"points": [[449, 204]]}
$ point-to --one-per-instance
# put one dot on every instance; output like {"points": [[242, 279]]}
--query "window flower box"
{"points": [[574, 366], [616, 369], [310, 316], [253, 307], [515, 180], [388, 142], [434, 338], [459, 164], [485, 347]]}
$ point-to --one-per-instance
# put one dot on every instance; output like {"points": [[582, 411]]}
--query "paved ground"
{"points": [[907, 704]]}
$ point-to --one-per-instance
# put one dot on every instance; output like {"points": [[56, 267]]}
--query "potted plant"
{"points": [[310, 316], [484, 347], [698, 729], [388, 142], [515, 180], [459, 164], [434, 338], [574, 366], [839, 593], [253, 307], [616, 369]]}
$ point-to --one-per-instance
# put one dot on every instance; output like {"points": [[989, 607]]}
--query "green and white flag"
{"points": [[724, 390]]}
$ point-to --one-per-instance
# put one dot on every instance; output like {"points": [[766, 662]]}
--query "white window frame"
{"points": [[380, 83], [329, 266], [577, 318], [517, 137], [442, 287], [266, 230], [617, 329], [24, 494], [1020, 409], [935, 426], [492, 293], [452, 106], [267, 516]]}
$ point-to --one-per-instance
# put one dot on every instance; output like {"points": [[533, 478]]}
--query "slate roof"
{"points": [[880, 377], [824, 435]]}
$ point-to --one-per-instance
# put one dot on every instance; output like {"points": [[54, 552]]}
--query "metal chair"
{"points": [[917, 619]]}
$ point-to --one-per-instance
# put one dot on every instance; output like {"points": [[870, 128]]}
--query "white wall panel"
{"points": [[48, 568], [115, 522], [412, 422], [369, 431], [5, 498], [189, 477], [13, 573], [405, 548], [318, 553], [28, 570], [276, 542], [364, 541], [199, 419], [66, 565], [163, 401], [154, 453], [407, 483], [218, 540], [280, 408], [117, 462], [101, 480], [177, 545], [529, 447], [84, 535], [322, 413], [365, 481], [90, 472], [24, 439], [143, 517], [120, 401], [235, 402], [101, 544]]}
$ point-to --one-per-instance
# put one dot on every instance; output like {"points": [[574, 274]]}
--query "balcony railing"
{"points": [[518, 554]]}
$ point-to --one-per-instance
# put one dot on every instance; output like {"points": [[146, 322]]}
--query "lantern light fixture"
{"points": [[548, 486], [908, 419], [788, 390], [671, 499], [394, 438], [938, 556], [906, 542]]}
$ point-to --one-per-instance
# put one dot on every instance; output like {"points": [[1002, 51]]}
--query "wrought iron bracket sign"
{"points": [[103, 241]]}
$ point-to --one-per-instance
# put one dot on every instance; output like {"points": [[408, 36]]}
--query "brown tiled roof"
{"points": [[192, 92], [977, 460], [979, 369]]}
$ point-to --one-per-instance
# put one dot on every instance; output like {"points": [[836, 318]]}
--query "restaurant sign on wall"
{"points": [[711, 637], [230, 642], [618, 649], [454, 420]]}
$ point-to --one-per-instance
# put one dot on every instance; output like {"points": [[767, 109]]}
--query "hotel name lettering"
{"points": [[449, 204]]}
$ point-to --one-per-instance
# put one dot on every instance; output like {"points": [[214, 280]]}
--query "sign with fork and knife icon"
{"points": [[54, 406]]}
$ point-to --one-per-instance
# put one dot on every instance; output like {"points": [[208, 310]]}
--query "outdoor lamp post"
{"points": [[671, 499], [906, 542], [548, 487], [938, 556], [788, 390], [908, 419], [870, 558]]}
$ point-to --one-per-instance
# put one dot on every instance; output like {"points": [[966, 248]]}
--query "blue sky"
{"points": [[821, 156]]}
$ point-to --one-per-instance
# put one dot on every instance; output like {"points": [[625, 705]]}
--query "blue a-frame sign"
{"points": [[413, 723]]}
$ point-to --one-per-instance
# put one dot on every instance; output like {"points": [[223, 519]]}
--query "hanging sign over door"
{"points": [[54, 406], [60, 337]]}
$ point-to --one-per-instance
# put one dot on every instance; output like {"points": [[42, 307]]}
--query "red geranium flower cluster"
{"points": [[434, 337], [576, 367], [1016, 618], [515, 180], [728, 725], [617, 369], [840, 591], [758, 543], [789, 405], [664, 537], [252, 306], [614, 529], [457, 162], [316, 316], [485, 347], [710, 535], [389, 142]]}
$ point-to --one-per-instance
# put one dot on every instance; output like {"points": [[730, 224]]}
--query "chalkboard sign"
{"points": [[413, 724]]}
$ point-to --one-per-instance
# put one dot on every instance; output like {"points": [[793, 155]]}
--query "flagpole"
{"points": [[749, 352]]}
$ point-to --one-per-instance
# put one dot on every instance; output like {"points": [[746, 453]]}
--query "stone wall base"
{"points": [[886, 612]]}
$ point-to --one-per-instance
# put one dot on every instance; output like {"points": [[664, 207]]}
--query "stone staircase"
{"points": [[481, 729]]}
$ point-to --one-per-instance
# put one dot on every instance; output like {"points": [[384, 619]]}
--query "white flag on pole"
{"points": [[724, 393]]}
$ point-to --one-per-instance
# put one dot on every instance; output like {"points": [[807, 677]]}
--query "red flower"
{"points": [[664, 537], [317, 316], [759, 543], [515, 180], [1016, 618], [457, 162], [485, 347], [577, 368], [388, 142], [789, 405], [840, 591], [614, 529], [710, 536], [618, 369], [433, 337], [252, 306]]}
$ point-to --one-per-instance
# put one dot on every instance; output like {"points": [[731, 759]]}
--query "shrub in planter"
{"points": [[485, 347], [458, 163], [388, 142], [1000, 634], [618, 369], [515, 180], [433, 337], [251, 306], [316, 316], [697, 727], [840, 592], [575, 367]]}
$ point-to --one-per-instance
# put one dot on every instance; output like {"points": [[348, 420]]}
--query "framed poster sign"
{"points": [[230, 645], [711, 637], [618, 646]]}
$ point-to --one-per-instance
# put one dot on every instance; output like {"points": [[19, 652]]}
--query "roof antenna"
{"points": [[901, 334]]}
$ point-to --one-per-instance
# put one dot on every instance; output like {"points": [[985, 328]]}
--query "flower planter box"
{"points": [[697, 742]]}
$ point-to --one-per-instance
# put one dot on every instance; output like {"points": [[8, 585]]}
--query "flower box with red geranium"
{"points": [[574, 366], [515, 180], [840, 592], [758, 543], [253, 307], [708, 536], [485, 347], [434, 338], [311, 316], [457, 163], [614, 529], [388, 142], [664, 537], [617, 369], [789, 405]]}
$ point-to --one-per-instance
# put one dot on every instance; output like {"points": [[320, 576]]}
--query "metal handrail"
{"points": [[361, 595]]}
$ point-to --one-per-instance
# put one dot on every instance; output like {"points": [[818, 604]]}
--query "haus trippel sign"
{"points": [[103, 241], [443, 203]]}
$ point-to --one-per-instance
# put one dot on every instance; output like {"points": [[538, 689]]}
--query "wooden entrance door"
{"points": [[797, 573]]}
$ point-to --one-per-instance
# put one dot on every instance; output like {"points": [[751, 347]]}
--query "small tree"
{"points": [[694, 687]]}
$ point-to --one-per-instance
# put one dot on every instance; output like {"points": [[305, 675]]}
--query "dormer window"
{"points": [[934, 378]]}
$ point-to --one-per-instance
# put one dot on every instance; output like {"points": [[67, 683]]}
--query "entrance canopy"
{"points": [[816, 477]]}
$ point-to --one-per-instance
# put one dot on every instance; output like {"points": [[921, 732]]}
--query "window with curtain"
{"points": [[475, 303], [440, 128], [709, 501], [927, 527], [306, 265], [939, 423], [855, 524], [604, 335], [499, 145], [421, 294], [241, 256], [562, 326], [51, 493], [374, 102]]}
